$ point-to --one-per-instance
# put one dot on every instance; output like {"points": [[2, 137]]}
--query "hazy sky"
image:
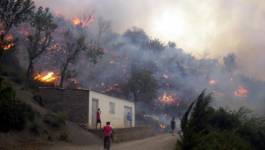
{"points": [[201, 27]]}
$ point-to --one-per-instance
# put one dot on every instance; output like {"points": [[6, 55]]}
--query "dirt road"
{"points": [[161, 142]]}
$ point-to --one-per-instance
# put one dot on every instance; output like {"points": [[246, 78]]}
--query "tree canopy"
{"points": [[142, 85]]}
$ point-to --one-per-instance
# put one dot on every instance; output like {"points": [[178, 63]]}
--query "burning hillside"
{"points": [[46, 78], [84, 21], [168, 99], [7, 43], [79, 42], [241, 92]]}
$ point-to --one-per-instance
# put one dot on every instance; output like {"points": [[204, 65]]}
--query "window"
{"points": [[112, 108]]}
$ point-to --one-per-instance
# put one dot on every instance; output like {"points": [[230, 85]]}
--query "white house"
{"points": [[81, 106], [112, 109]]}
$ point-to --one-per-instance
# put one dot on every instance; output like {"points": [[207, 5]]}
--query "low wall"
{"points": [[71, 101], [127, 134]]}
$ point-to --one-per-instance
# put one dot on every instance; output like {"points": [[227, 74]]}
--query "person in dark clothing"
{"points": [[107, 133], [129, 119], [98, 117], [173, 125]]}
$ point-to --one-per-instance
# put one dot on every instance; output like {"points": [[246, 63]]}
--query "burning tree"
{"points": [[47, 78], [12, 13], [43, 25], [73, 47], [84, 21]]}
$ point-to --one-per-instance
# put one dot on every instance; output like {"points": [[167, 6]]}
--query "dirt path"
{"points": [[161, 142]]}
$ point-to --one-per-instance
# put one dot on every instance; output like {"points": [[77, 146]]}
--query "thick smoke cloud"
{"points": [[218, 27], [211, 28]]}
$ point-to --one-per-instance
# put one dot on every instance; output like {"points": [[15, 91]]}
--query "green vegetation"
{"points": [[205, 127], [142, 85], [55, 120], [14, 115]]}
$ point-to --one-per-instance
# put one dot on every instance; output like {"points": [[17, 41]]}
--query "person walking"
{"points": [[98, 117], [107, 133], [173, 125]]}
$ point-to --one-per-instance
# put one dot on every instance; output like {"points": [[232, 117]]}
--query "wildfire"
{"points": [[8, 46], [212, 82], [8, 42], [241, 92], [76, 21], [86, 21], [111, 88], [162, 126], [47, 77], [167, 99]]}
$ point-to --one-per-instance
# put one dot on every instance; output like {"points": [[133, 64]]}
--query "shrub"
{"points": [[63, 137], [217, 140], [55, 120], [38, 99], [35, 127], [13, 114], [204, 127]]}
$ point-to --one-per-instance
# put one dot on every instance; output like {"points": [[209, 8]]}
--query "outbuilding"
{"points": [[81, 106]]}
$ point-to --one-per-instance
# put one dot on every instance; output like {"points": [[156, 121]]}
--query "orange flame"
{"points": [[212, 82], [48, 77], [8, 46], [8, 43], [167, 99], [76, 21], [162, 126], [83, 22], [241, 92]]}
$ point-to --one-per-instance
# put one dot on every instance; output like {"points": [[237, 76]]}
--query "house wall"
{"points": [[116, 119], [73, 102]]}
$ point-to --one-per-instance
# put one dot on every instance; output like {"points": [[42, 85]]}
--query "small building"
{"points": [[81, 106]]}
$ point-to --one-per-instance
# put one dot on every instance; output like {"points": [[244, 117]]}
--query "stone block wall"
{"points": [[73, 102]]}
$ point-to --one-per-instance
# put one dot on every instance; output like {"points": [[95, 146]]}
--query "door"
{"points": [[94, 112], [128, 117]]}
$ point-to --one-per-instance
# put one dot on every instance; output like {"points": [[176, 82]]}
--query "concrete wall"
{"points": [[117, 118], [78, 106], [73, 102], [127, 134]]}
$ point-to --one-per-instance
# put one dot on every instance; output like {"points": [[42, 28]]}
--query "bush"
{"points": [[204, 127], [35, 127], [13, 72], [63, 137], [13, 114], [55, 120], [217, 140], [38, 99]]}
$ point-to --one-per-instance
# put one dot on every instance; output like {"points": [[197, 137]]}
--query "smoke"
{"points": [[211, 28], [229, 33], [177, 72]]}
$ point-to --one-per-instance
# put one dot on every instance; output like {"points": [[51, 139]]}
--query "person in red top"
{"points": [[98, 119], [107, 133]]}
